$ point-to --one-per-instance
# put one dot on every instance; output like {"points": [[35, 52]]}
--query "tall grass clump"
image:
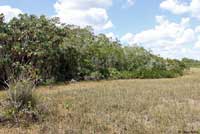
{"points": [[22, 105]]}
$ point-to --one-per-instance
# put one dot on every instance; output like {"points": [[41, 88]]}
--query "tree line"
{"points": [[50, 51], [191, 62]]}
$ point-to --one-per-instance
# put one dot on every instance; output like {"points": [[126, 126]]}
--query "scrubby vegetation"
{"points": [[21, 105], [191, 62], [53, 52]]}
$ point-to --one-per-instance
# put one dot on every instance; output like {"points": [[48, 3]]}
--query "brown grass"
{"points": [[159, 106]]}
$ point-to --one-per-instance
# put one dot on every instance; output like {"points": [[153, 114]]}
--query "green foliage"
{"points": [[114, 73], [191, 63], [53, 52]]}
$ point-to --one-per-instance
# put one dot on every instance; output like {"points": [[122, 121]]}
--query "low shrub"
{"points": [[149, 74], [94, 76], [114, 73], [127, 75], [22, 105]]}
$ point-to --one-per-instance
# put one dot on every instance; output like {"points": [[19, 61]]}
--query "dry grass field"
{"points": [[151, 106]]}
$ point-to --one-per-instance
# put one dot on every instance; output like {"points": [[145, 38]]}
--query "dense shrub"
{"points": [[53, 52]]}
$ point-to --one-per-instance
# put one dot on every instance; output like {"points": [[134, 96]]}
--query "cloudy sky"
{"points": [[170, 28]]}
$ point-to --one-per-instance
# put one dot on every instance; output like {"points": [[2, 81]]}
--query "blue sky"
{"points": [[169, 28], [133, 19]]}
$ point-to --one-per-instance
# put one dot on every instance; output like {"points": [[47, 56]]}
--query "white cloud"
{"points": [[197, 44], [10, 12], [197, 29], [195, 8], [131, 2], [111, 35], [169, 39], [162, 31], [84, 13], [127, 3], [175, 6], [128, 38], [180, 7]]}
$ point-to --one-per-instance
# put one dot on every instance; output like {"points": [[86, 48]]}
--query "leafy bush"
{"points": [[114, 73], [56, 52], [128, 75]]}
